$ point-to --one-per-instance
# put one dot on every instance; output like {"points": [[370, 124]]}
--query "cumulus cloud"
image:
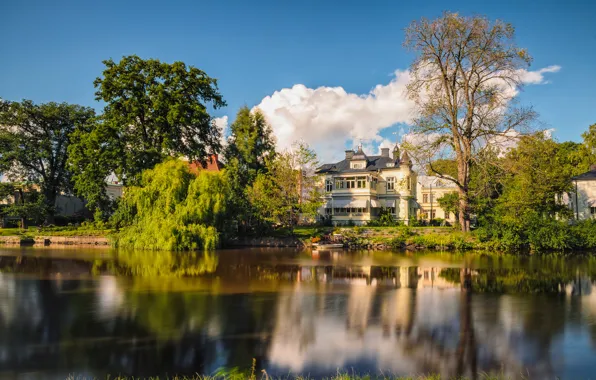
{"points": [[222, 124], [329, 118]]}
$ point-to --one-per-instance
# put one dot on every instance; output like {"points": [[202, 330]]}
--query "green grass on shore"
{"points": [[54, 231]]}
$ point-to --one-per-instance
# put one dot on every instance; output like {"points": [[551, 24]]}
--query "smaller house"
{"points": [[583, 200], [430, 189]]}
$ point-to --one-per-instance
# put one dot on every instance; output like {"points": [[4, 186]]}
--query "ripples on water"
{"points": [[100, 312]]}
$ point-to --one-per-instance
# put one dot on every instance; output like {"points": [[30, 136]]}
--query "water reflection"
{"points": [[293, 312]]}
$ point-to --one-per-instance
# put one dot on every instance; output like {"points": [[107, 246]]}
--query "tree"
{"points": [[250, 145], [449, 203], [153, 110], [590, 138], [288, 188], [464, 78], [251, 142], [34, 142], [173, 209]]}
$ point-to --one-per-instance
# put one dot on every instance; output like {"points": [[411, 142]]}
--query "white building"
{"points": [[357, 188], [583, 200], [429, 190]]}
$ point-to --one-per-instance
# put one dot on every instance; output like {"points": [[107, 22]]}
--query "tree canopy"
{"points": [[34, 143], [173, 209], [153, 110], [464, 78]]}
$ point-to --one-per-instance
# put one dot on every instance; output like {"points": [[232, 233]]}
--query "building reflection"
{"points": [[300, 317]]}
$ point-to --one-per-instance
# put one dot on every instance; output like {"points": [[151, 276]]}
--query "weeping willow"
{"points": [[173, 209]]}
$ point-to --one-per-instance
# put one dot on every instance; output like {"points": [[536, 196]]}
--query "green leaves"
{"points": [[34, 141], [154, 110], [172, 209]]}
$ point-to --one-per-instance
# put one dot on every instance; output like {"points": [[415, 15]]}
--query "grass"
{"points": [[54, 231]]}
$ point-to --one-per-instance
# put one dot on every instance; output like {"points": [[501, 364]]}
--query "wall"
{"points": [[586, 198]]}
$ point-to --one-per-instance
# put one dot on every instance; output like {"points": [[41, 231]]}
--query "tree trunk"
{"points": [[50, 201]]}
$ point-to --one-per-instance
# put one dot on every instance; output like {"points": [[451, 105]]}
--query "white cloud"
{"points": [[328, 118], [222, 124], [537, 77]]}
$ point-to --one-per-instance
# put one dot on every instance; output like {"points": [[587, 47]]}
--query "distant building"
{"points": [[430, 189], [114, 187], [211, 164], [357, 188], [583, 200]]}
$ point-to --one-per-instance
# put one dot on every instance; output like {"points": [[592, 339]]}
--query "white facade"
{"points": [[429, 190], [359, 187], [583, 200]]}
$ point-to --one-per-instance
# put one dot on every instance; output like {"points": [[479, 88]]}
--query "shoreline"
{"points": [[46, 240]]}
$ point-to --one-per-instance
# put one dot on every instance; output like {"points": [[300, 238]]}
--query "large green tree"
{"points": [[34, 143], [153, 110], [250, 145], [464, 78], [173, 209]]}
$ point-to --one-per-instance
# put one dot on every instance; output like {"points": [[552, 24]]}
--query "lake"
{"points": [[95, 312]]}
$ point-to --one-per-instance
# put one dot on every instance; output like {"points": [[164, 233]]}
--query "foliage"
{"points": [[173, 209], [449, 203], [288, 188], [153, 110], [385, 219], [464, 79], [250, 144], [34, 140]]}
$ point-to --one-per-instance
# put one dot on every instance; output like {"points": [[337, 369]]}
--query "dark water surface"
{"points": [[97, 312]]}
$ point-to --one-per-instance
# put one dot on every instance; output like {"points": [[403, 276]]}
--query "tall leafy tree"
{"points": [[153, 110], [251, 142], [464, 79], [250, 145], [34, 142]]}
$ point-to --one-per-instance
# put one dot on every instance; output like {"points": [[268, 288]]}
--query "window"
{"points": [[408, 183], [425, 198], [390, 164], [328, 185], [390, 183], [357, 165], [350, 183], [339, 183], [361, 182], [328, 211], [593, 211]]}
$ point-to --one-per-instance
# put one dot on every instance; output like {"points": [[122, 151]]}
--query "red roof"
{"points": [[211, 164]]}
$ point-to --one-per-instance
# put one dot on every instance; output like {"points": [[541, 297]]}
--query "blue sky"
{"points": [[52, 50]]}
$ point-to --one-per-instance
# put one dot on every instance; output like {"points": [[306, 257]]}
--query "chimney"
{"points": [[593, 168], [349, 154], [384, 152]]}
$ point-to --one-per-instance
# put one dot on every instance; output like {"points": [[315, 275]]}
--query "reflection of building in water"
{"points": [[359, 304], [430, 278]]}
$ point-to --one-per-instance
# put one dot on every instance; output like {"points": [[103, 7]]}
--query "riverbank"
{"points": [[54, 236]]}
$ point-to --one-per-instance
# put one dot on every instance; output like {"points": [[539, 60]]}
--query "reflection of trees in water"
{"points": [[163, 263]]}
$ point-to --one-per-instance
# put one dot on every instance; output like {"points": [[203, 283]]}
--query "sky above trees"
{"points": [[330, 75]]}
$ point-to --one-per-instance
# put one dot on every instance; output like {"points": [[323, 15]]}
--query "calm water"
{"points": [[97, 312]]}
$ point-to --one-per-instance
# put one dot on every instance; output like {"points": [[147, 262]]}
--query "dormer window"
{"points": [[357, 165], [390, 164]]}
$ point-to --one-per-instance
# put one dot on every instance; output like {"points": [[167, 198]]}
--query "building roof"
{"points": [[437, 182], [211, 164], [374, 163], [587, 176]]}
